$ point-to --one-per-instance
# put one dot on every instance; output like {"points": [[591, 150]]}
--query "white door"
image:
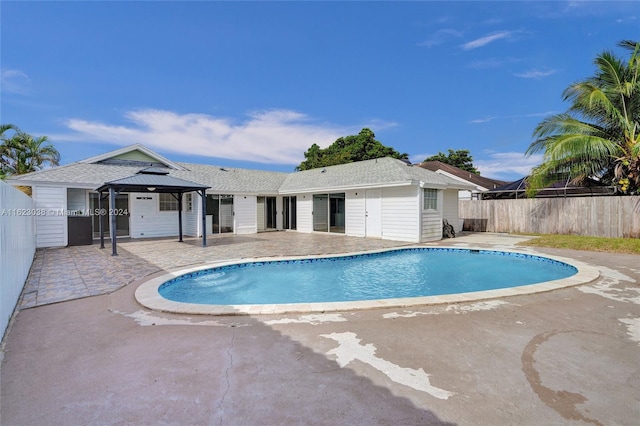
{"points": [[373, 213]]}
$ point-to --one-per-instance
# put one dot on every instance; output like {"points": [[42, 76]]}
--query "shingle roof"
{"points": [[220, 179], [79, 173], [228, 179], [378, 172]]}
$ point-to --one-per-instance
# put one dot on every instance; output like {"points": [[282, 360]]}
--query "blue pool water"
{"points": [[387, 275]]}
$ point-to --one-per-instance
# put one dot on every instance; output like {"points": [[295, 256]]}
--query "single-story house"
{"points": [[382, 198], [480, 183]]}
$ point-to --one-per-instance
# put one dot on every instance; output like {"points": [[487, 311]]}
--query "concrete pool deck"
{"points": [[569, 356]]}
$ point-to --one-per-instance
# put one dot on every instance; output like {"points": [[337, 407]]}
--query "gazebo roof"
{"points": [[152, 180]]}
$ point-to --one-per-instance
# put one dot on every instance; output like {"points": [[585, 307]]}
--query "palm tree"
{"points": [[3, 147], [599, 135], [22, 153]]}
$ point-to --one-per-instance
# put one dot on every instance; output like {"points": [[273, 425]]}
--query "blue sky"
{"points": [[253, 85]]}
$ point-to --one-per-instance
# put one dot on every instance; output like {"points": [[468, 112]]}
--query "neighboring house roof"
{"points": [[481, 183], [517, 189], [380, 172]]}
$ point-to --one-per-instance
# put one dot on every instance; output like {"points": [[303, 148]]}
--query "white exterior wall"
{"points": [[305, 213], [17, 248], [355, 213], [246, 214], [51, 228], [450, 208], [400, 213], [466, 195], [432, 219], [147, 221]]}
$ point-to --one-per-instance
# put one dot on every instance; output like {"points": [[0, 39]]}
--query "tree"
{"points": [[460, 158], [598, 136], [22, 153], [348, 149], [3, 148]]}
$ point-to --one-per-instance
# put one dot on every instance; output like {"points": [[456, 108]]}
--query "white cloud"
{"points": [[504, 165], [272, 137], [626, 20], [491, 118], [440, 37], [14, 81], [483, 41], [419, 158], [535, 74], [481, 120]]}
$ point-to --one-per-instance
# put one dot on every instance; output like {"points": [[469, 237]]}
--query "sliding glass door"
{"points": [[289, 213], [329, 212], [220, 209], [321, 213], [122, 220], [336, 213], [266, 214]]}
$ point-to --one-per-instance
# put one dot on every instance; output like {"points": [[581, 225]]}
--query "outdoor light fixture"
{"points": [[151, 188]]}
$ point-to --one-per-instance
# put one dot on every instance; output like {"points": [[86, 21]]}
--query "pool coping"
{"points": [[148, 296]]}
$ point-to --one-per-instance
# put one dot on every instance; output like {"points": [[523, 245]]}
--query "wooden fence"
{"points": [[617, 217]]}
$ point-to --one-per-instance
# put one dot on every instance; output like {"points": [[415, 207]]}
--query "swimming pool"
{"points": [[396, 277]]}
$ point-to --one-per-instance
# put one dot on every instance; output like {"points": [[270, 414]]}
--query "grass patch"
{"points": [[578, 242]]}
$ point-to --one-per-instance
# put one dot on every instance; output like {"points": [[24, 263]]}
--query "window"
{"points": [[189, 203], [430, 197], [168, 203]]}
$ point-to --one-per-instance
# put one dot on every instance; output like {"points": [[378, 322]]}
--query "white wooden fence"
{"points": [[616, 217], [17, 247]]}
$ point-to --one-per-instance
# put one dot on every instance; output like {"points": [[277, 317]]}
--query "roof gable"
{"points": [[133, 155]]}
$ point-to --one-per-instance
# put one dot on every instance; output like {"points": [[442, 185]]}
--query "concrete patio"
{"points": [[570, 356]]}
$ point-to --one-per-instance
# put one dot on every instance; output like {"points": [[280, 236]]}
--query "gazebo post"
{"points": [[100, 219], [203, 195], [180, 216], [112, 214]]}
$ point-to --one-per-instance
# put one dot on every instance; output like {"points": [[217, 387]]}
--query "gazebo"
{"points": [[149, 180]]}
